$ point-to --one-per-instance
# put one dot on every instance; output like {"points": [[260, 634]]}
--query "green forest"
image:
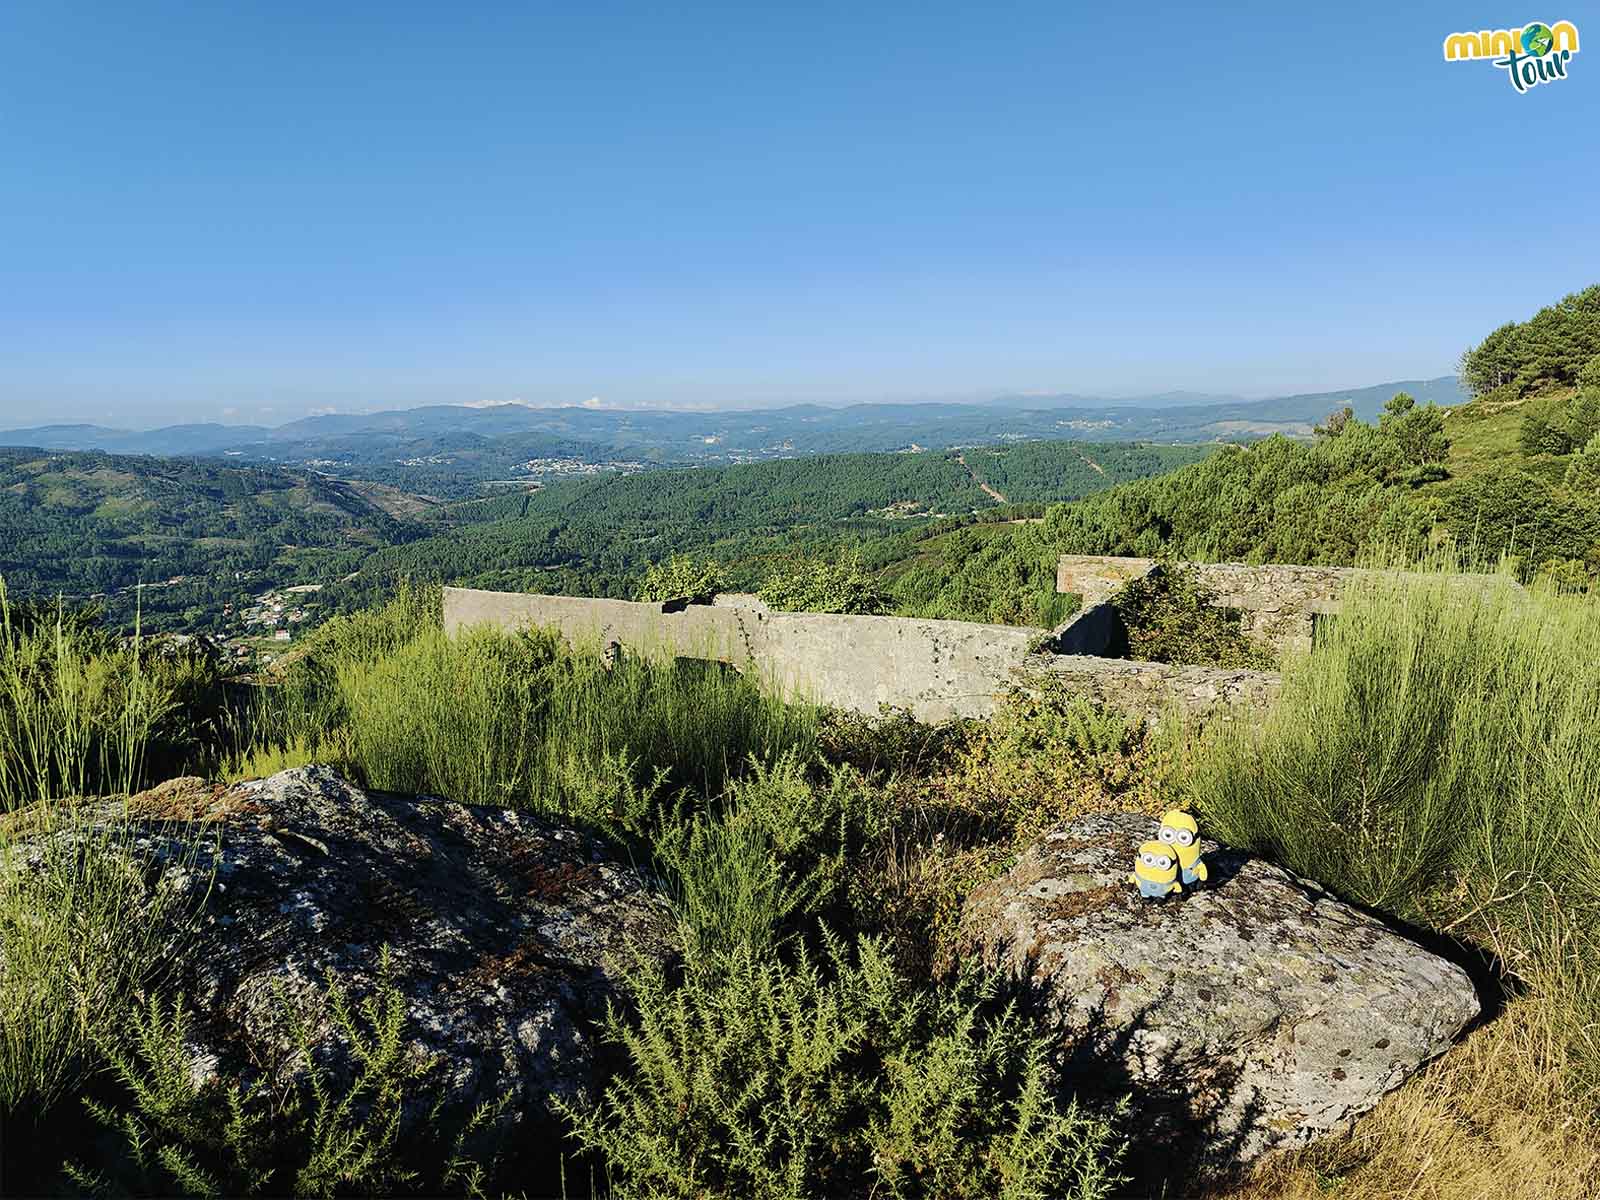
{"points": [[93, 526], [90, 526], [596, 537], [1515, 473]]}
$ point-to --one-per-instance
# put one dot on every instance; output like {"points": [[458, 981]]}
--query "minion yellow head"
{"points": [[1156, 862], [1181, 834]]}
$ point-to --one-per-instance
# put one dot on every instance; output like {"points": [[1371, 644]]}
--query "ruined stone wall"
{"points": [[1152, 691], [1277, 604], [1096, 576], [1266, 586], [935, 669]]}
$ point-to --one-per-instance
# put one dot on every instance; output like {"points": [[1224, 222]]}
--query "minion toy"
{"points": [[1181, 836], [1155, 871]]}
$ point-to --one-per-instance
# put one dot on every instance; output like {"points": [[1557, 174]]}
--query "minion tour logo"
{"points": [[1535, 54]]}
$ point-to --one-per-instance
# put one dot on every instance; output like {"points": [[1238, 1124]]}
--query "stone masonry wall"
{"points": [[1277, 604], [1096, 576], [1152, 690]]}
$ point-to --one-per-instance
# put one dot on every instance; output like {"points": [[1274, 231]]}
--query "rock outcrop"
{"points": [[503, 930], [1253, 1013]]}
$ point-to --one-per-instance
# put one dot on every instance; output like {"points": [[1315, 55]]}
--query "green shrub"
{"points": [[82, 935], [1436, 758], [775, 846], [680, 723], [1438, 730], [1583, 473], [1544, 430], [300, 714], [681, 578], [178, 1136], [1417, 432], [453, 716], [366, 635], [1565, 574], [892, 742], [79, 712], [826, 586], [1171, 617], [939, 809], [518, 719], [753, 1078]]}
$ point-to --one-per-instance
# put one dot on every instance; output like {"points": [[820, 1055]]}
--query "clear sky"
{"points": [[251, 211]]}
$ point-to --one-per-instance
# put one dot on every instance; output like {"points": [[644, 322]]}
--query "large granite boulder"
{"points": [[503, 930], [1252, 1013]]}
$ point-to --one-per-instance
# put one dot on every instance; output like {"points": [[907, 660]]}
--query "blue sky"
{"points": [[253, 211]]}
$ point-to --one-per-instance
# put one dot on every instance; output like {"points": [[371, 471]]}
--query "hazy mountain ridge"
{"points": [[386, 438]]}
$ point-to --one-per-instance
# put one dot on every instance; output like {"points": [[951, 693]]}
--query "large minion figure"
{"points": [[1155, 871], [1181, 836]]}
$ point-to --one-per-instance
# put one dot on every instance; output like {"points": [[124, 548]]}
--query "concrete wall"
{"points": [[694, 631], [936, 669], [943, 669]]}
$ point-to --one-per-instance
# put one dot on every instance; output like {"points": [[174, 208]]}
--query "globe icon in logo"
{"points": [[1537, 40]]}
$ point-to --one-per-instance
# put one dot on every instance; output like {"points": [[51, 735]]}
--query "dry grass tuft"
{"points": [[1493, 1119]]}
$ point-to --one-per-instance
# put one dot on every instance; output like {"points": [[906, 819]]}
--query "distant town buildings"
{"points": [[576, 466]]}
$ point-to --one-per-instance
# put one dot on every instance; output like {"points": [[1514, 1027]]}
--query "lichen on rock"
{"points": [[1257, 1012], [504, 931]]}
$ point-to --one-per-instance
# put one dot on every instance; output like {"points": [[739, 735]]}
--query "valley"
{"points": [[183, 544]]}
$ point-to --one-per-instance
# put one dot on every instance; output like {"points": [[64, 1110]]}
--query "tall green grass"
{"points": [[1438, 757], [78, 710], [517, 719], [82, 936]]}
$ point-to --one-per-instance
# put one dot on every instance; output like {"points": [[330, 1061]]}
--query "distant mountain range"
{"points": [[451, 445]]}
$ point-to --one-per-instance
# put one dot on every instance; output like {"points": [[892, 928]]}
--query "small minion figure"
{"points": [[1155, 871], [1181, 835]]}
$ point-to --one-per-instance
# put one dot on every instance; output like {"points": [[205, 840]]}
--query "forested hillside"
{"points": [[953, 533], [1549, 349], [85, 525], [595, 537], [95, 525], [1514, 472]]}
